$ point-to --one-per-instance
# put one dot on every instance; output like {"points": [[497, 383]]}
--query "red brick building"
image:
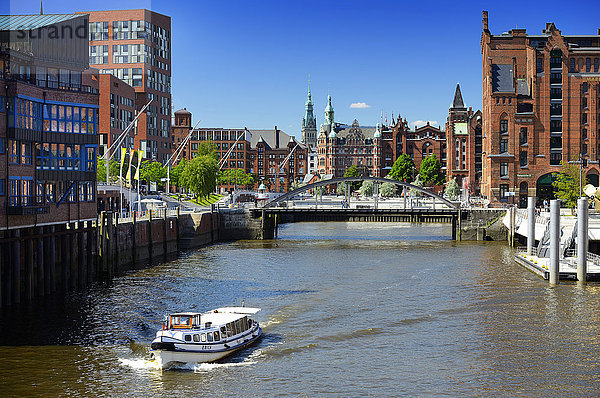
{"points": [[135, 46], [418, 143], [116, 110], [463, 145], [540, 107], [257, 152]]}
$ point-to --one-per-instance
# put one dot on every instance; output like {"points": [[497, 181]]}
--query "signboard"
{"points": [[152, 186]]}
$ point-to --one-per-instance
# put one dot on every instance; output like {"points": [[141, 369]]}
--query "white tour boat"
{"points": [[188, 337]]}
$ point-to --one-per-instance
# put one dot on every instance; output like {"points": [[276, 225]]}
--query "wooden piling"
{"points": [[150, 236], [16, 266], [29, 265]]}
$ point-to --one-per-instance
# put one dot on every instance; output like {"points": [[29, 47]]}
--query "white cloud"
{"points": [[420, 123], [359, 105]]}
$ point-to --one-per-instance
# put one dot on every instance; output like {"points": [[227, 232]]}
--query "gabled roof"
{"points": [[30, 22]]}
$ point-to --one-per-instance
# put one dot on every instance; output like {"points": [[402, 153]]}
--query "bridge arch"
{"points": [[322, 183]]}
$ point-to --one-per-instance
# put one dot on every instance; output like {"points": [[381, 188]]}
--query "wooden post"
{"points": [[150, 236], [16, 265], [29, 262], [133, 239], [73, 274], [7, 291], [92, 248], [177, 228], [41, 261], [165, 248], [81, 257], [52, 257], [2, 264], [64, 263]]}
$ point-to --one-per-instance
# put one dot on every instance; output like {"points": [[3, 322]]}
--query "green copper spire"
{"points": [[329, 119]]}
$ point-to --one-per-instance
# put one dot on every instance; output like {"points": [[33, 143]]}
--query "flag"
{"points": [[123, 152], [129, 168], [137, 171]]}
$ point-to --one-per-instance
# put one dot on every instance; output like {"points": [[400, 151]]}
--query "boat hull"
{"points": [[167, 358]]}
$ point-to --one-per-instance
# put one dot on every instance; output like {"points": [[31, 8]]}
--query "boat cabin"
{"points": [[183, 321]]}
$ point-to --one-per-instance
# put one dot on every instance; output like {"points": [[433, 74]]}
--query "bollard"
{"points": [[582, 238], [530, 224], [554, 241]]}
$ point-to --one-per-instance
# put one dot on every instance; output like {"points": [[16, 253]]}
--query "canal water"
{"points": [[348, 309]]}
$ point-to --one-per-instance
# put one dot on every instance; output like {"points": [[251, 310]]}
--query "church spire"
{"points": [[458, 100], [309, 121], [329, 119]]}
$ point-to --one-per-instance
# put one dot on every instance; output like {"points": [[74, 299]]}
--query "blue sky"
{"points": [[246, 63]]}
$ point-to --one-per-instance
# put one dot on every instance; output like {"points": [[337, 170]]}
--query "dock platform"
{"points": [[567, 266]]}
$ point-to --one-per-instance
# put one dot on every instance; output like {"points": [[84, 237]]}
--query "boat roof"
{"points": [[222, 315]]}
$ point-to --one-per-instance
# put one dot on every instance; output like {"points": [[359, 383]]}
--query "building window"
{"points": [[572, 65], [523, 159], [523, 136], [14, 152], [588, 64], [2, 184], [584, 149], [540, 65], [504, 169], [503, 146], [503, 192], [584, 118], [504, 126], [555, 158], [596, 64], [26, 152], [584, 134], [584, 102], [584, 87]]}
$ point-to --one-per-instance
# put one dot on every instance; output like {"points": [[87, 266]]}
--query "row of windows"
{"points": [[27, 114], [21, 191], [53, 156], [504, 100], [578, 65], [131, 76]]}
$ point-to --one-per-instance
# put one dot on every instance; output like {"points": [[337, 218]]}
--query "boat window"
{"points": [[245, 323], [188, 337], [229, 331], [223, 331], [203, 337], [216, 336], [209, 336], [249, 323], [235, 325], [196, 338]]}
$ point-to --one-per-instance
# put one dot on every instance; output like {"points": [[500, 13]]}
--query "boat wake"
{"points": [[139, 363]]}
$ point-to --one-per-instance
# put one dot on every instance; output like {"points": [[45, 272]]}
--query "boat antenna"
{"points": [[243, 303]]}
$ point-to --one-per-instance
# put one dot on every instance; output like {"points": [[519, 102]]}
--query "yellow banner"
{"points": [[137, 171], [123, 152], [129, 168]]}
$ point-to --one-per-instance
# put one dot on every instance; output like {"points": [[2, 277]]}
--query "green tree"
{"points": [[417, 183], [431, 171], [113, 169], [207, 148], [566, 184], [152, 171], [387, 189], [452, 190], [366, 189], [403, 169], [235, 177], [175, 173], [200, 175], [353, 171]]}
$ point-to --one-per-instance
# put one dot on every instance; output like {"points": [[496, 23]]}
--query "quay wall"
{"points": [[42, 261]]}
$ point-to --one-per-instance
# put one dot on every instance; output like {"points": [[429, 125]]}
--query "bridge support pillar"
{"points": [[454, 226]]}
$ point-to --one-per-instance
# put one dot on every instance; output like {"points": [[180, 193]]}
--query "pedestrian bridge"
{"points": [[292, 207]]}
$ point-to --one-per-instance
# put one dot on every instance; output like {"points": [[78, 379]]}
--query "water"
{"points": [[349, 309]]}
